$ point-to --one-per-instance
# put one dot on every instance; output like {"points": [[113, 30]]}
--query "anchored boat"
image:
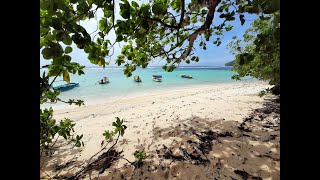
{"points": [[66, 87], [185, 76], [136, 79], [105, 80], [157, 78]]}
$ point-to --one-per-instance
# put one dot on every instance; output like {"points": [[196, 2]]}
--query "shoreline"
{"points": [[147, 93]]}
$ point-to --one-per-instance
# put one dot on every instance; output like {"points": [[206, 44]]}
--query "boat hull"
{"points": [[103, 82], [66, 87], [185, 76]]}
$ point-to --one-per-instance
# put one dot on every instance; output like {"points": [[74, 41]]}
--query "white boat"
{"points": [[105, 80], [186, 76]]}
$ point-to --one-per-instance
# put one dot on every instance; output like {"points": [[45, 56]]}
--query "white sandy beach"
{"points": [[149, 117]]}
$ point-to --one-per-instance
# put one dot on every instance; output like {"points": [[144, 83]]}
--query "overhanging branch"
{"points": [[212, 4]]}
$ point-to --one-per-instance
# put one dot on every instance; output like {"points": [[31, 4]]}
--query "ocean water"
{"points": [[90, 90]]}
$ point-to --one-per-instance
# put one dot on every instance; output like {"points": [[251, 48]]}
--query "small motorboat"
{"points": [[185, 76], [157, 78], [66, 87], [105, 80], [136, 79]]}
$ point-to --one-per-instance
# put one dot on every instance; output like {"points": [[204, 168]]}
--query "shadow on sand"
{"points": [[210, 149], [214, 149]]}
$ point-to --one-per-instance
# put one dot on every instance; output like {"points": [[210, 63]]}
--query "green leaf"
{"points": [[107, 135], [44, 30], [119, 38], [67, 40], [87, 49], [134, 4], [222, 15], [67, 58], [125, 10], [99, 41], [53, 72], [42, 42], [159, 9], [47, 53], [142, 30], [204, 11], [229, 27], [101, 34], [145, 10], [102, 24], [68, 50], [194, 19]]}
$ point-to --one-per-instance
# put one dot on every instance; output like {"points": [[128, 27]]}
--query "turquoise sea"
{"points": [[90, 90]]}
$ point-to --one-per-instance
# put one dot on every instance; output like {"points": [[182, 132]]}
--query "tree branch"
{"points": [[173, 16], [212, 5], [182, 14], [161, 22], [112, 15], [79, 16], [80, 171], [54, 79]]}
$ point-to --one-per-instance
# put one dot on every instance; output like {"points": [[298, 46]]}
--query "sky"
{"points": [[213, 56]]}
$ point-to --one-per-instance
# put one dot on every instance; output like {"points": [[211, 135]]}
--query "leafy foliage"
{"points": [[258, 54], [107, 156], [140, 155], [119, 128], [107, 134], [164, 29], [49, 128]]}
